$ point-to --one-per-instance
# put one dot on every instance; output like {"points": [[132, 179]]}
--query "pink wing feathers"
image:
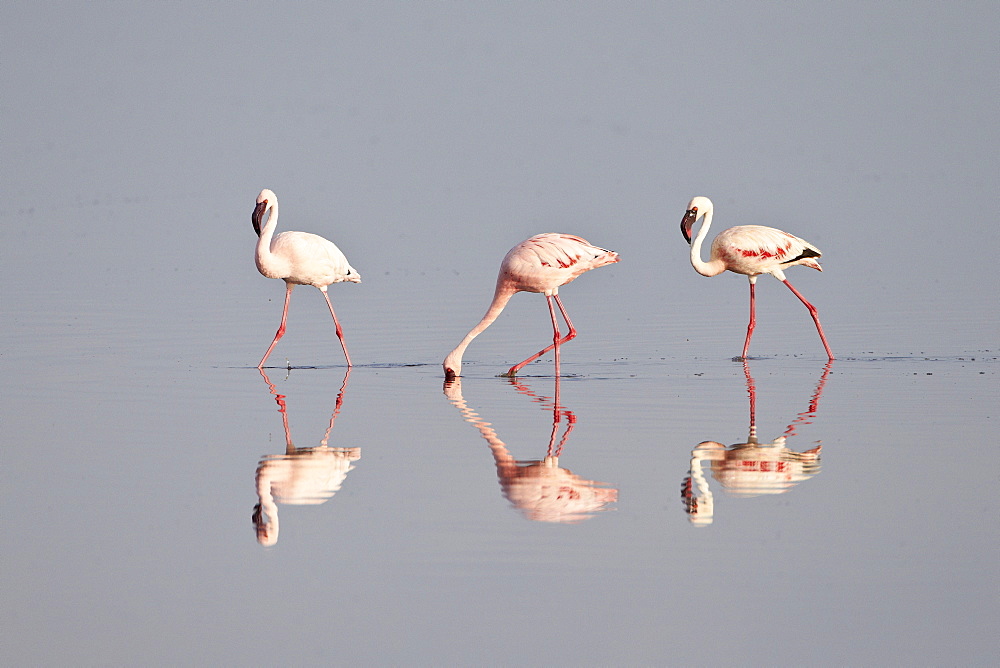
{"points": [[755, 249]]}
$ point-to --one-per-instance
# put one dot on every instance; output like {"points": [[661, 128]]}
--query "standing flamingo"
{"points": [[539, 264], [298, 258], [750, 250]]}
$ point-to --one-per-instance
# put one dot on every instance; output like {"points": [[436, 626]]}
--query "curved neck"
{"points": [[713, 267], [267, 232], [266, 514], [701, 507], [501, 455], [501, 296]]}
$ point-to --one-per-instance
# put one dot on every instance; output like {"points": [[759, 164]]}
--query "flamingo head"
{"points": [[696, 208], [267, 531], [265, 199]]}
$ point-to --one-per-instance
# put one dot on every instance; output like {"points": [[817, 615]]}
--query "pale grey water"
{"points": [[427, 139]]}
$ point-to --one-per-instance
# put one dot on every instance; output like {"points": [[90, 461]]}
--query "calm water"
{"points": [[169, 504], [484, 522]]}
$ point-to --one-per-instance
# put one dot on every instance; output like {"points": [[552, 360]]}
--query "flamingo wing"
{"points": [[312, 260], [565, 251], [756, 249]]}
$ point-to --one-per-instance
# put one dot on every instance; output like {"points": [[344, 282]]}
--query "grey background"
{"points": [[425, 139]]}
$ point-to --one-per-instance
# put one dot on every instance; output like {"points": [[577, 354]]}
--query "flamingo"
{"points": [[298, 258], [751, 250], [542, 264]]}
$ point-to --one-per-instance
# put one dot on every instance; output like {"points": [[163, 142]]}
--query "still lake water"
{"points": [[414, 522]]}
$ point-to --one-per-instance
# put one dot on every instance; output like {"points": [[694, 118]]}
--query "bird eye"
{"points": [[348, 272]]}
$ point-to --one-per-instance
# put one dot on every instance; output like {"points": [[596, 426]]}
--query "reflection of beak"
{"points": [[687, 222], [258, 213]]}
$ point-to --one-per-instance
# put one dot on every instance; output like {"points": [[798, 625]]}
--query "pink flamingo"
{"points": [[539, 264], [298, 258], [750, 250]]}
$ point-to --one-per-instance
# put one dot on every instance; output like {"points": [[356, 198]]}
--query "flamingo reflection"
{"points": [[540, 489], [299, 476], [752, 468]]}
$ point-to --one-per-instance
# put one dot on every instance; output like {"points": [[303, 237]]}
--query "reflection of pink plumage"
{"points": [[298, 258], [542, 489], [542, 264], [300, 476], [751, 468], [750, 250]]}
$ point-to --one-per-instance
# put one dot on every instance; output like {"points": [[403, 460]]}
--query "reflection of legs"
{"points": [[753, 319], [556, 341], [805, 416], [340, 332], [281, 327], [752, 391], [559, 412], [815, 316]]}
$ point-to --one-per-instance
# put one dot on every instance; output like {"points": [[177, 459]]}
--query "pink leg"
{"points": [[556, 341], [281, 327], [753, 320], [340, 332], [555, 334], [815, 316]]}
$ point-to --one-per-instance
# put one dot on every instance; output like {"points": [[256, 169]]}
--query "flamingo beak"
{"points": [[258, 213], [687, 222]]}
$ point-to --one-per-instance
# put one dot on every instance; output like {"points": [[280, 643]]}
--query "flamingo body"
{"points": [[305, 259], [543, 264], [298, 258], [750, 250]]}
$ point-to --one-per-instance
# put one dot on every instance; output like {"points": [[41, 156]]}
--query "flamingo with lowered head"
{"points": [[542, 264], [298, 258], [750, 250]]}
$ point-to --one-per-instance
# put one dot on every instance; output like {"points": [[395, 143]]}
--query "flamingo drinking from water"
{"points": [[542, 264], [750, 250], [298, 258]]}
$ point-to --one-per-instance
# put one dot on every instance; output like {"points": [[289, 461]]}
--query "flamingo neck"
{"points": [[266, 518], [702, 511], [453, 362], [504, 460], [714, 266], [267, 233], [268, 264]]}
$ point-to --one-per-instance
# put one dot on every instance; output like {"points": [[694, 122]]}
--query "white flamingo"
{"points": [[750, 250], [298, 258], [542, 264]]}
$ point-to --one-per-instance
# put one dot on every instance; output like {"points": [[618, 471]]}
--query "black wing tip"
{"points": [[807, 253]]}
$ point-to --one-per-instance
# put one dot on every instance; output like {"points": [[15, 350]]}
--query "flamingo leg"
{"points": [[556, 341], [281, 327], [555, 334], [340, 332], [753, 319], [815, 316]]}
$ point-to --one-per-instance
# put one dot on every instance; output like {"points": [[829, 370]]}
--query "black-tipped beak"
{"points": [[687, 222], [258, 213]]}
